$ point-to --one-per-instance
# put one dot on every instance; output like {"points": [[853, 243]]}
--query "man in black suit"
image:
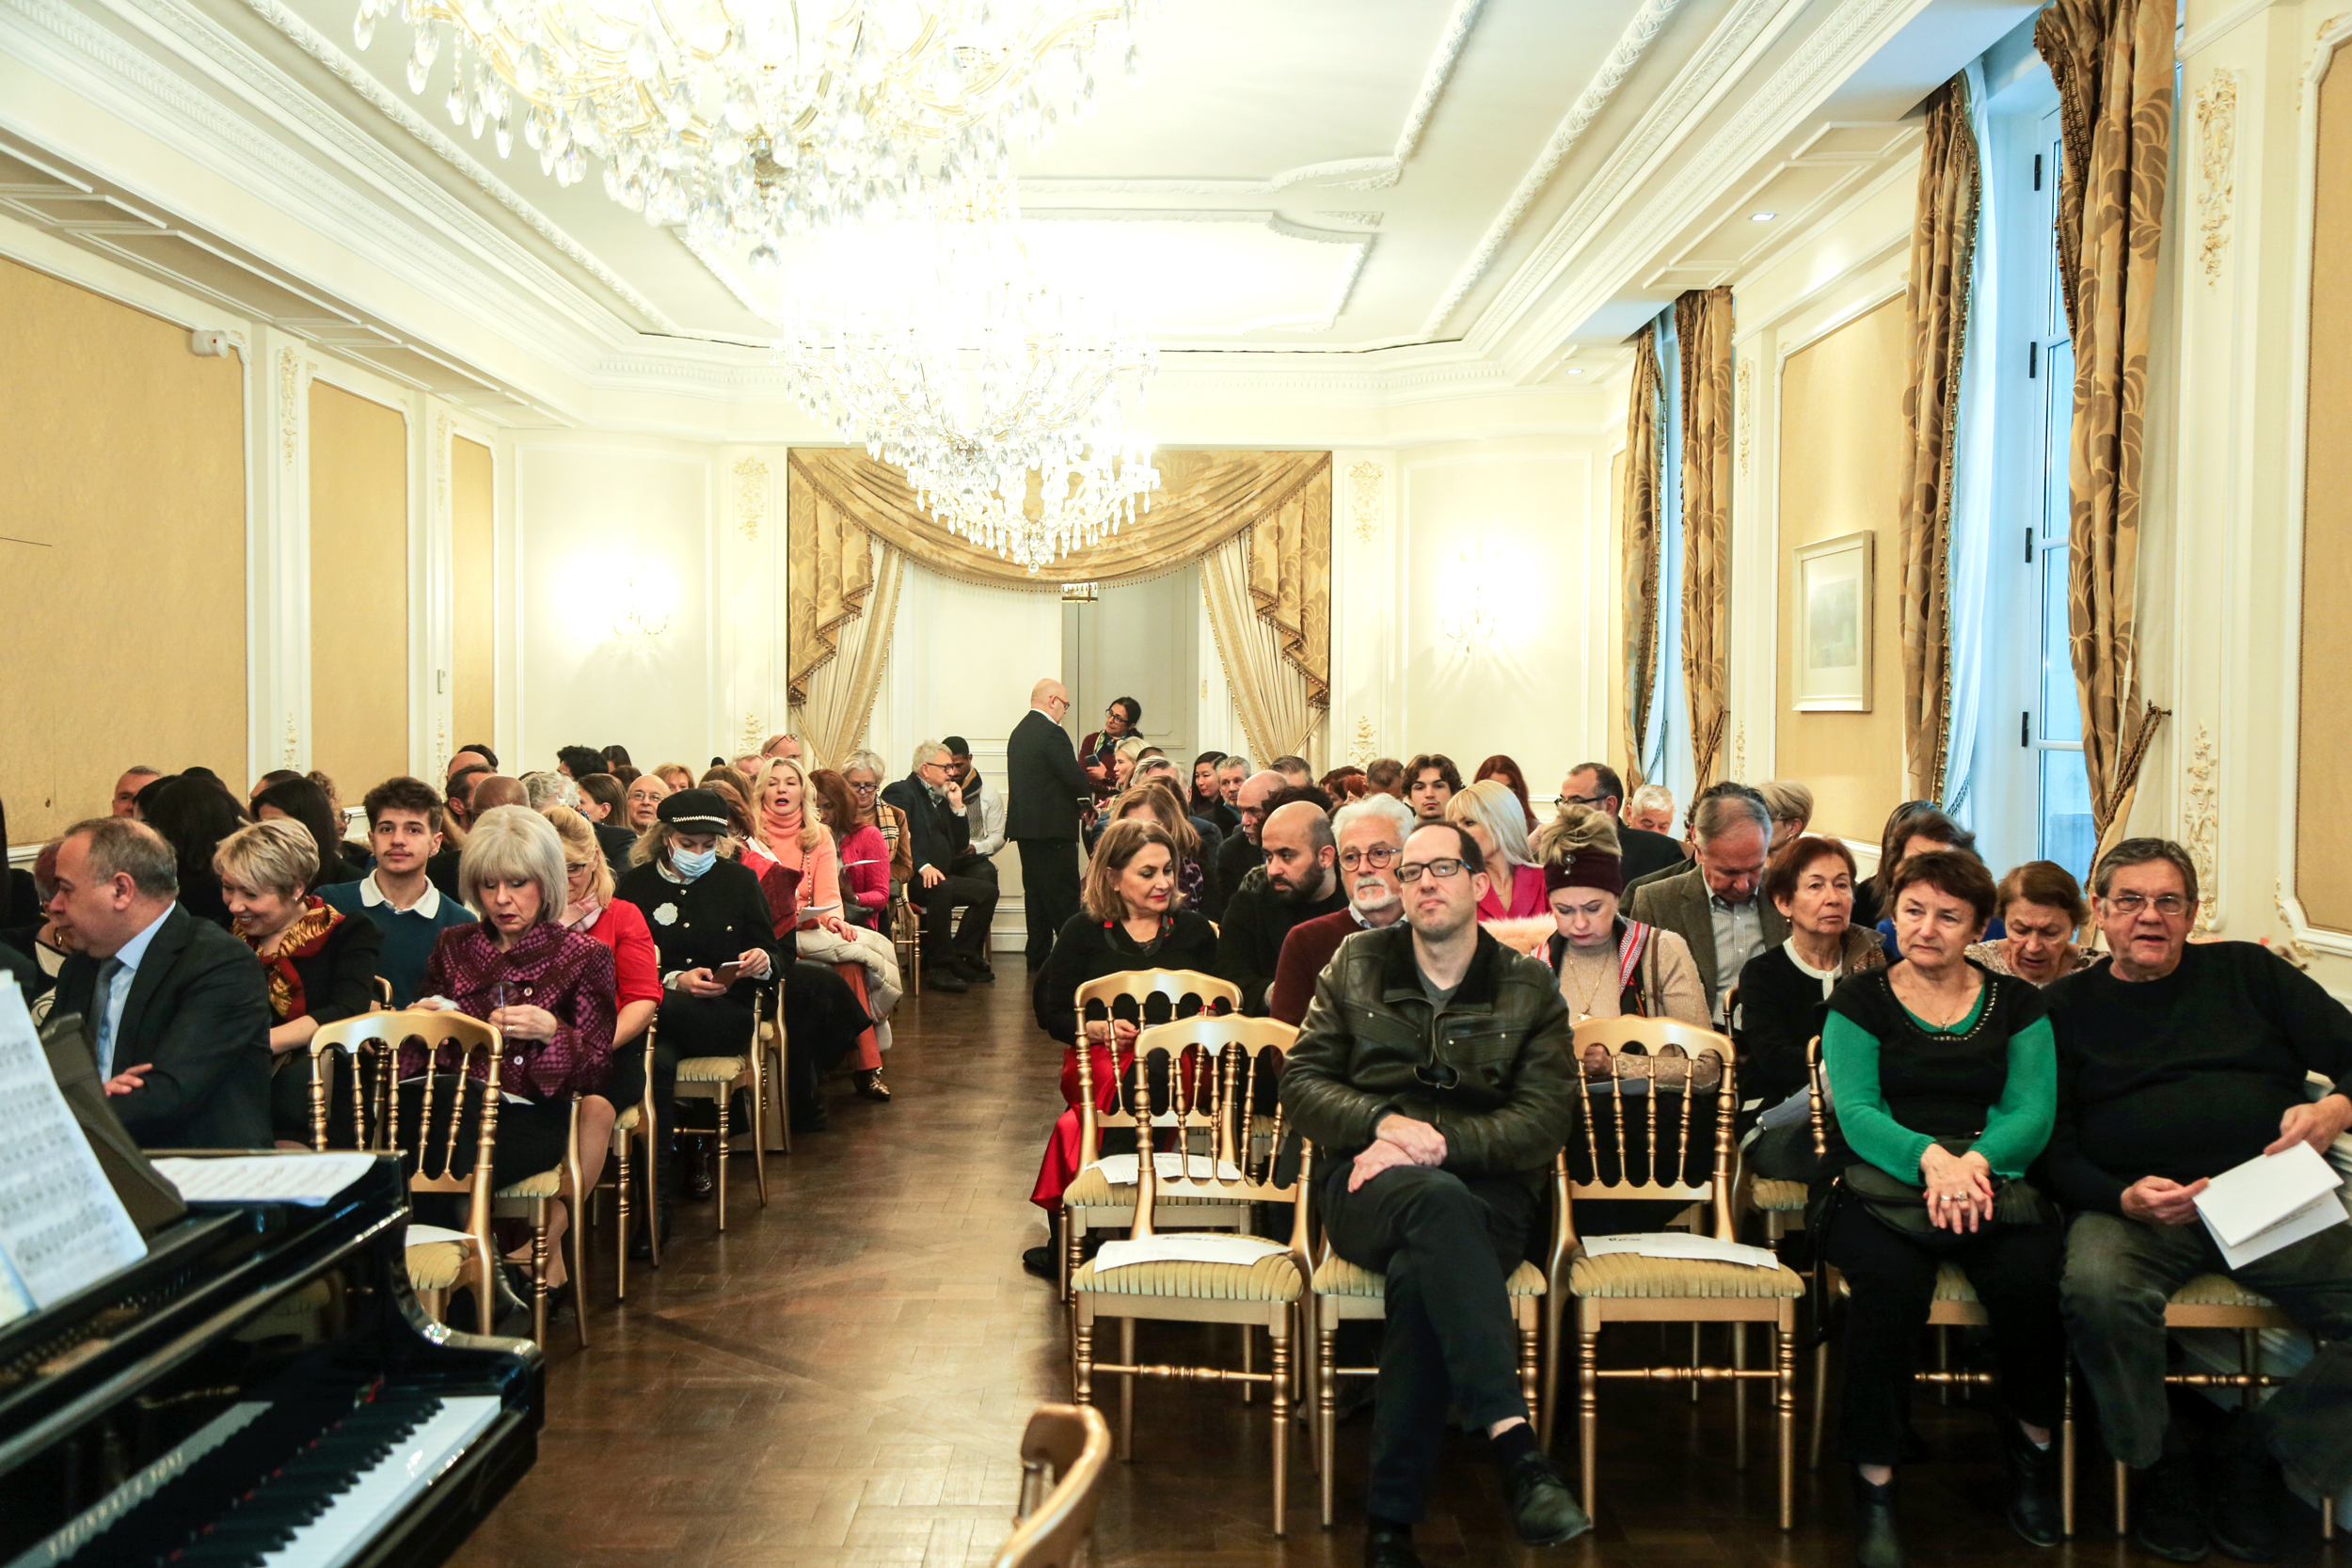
{"points": [[940, 828], [1597, 784], [1043, 785], [176, 1009]]}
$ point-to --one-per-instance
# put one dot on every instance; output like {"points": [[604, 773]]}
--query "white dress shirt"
{"points": [[110, 1004]]}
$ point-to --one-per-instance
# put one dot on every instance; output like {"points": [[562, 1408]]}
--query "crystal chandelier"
{"points": [[942, 348], [754, 119]]}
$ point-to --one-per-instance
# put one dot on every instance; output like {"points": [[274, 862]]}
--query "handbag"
{"points": [[1903, 1208]]}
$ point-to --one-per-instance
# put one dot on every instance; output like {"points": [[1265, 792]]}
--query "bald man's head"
{"points": [[1252, 800], [1048, 693], [1299, 853], [493, 790], [464, 760]]}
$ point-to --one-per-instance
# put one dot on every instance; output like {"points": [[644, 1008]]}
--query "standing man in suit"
{"points": [[1043, 785], [940, 823], [1597, 784], [1713, 905], [176, 1008]]}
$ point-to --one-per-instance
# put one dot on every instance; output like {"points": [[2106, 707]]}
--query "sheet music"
{"points": [[1185, 1246], [1119, 1170], [62, 1225], [1682, 1244], [308, 1180]]}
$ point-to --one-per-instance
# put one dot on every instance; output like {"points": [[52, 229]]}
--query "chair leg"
{"points": [[1281, 1357], [719, 1172], [1785, 1387], [653, 1198], [620, 1249], [1694, 1367], [1739, 1397], [2122, 1498], [539, 1272], [1127, 1390], [2066, 1451], [1327, 1409], [1249, 1364], [1550, 1369], [1082, 1355], [759, 1136], [1820, 1402], [1530, 1378], [2249, 1358], [1588, 1415], [1942, 1364], [485, 1298], [578, 1231]]}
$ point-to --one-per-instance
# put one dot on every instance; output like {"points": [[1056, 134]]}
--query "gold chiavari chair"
{"points": [[1781, 1203], [717, 1079], [632, 1129], [1672, 1063], [1206, 1064], [1092, 1202], [775, 1097], [1054, 1524], [531, 1199]]}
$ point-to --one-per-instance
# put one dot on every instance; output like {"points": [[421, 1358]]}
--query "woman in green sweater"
{"points": [[1943, 1077]]}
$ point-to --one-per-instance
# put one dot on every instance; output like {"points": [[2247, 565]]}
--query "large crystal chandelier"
{"points": [[754, 119], [940, 347]]}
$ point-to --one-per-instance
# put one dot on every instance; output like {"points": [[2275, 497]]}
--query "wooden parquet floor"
{"points": [[842, 1378]]}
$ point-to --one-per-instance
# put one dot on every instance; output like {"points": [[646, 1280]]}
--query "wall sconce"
{"points": [[1472, 618], [642, 611]]}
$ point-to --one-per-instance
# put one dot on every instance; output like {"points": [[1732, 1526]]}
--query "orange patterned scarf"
{"points": [[303, 939]]}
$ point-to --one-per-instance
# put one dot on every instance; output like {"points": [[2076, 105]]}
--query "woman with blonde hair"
{"points": [[676, 775], [1493, 815]]}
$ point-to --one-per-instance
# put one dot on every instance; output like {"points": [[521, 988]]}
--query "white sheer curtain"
{"points": [[832, 718], [1269, 694], [1974, 489]]}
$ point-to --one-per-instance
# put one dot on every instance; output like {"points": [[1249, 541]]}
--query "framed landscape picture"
{"points": [[1833, 653]]}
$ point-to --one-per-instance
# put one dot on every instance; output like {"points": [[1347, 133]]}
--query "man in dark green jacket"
{"points": [[1435, 1071]]}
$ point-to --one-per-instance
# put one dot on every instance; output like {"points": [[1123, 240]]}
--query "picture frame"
{"points": [[1832, 653]]}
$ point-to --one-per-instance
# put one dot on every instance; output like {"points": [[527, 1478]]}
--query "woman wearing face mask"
{"points": [[321, 966], [1608, 966], [1128, 919], [1783, 992], [2040, 907]]}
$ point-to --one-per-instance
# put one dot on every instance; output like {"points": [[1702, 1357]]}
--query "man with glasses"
{"points": [[1434, 1076], [1714, 905], [940, 826], [1371, 834], [2176, 1062], [1044, 788], [1299, 882], [1597, 784]]}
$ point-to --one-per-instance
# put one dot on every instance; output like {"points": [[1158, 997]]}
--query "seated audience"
{"points": [[603, 804], [320, 963], [548, 990], [578, 762], [1503, 768], [1242, 853], [1157, 802], [1206, 799], [615, 757], [1792, 805], [151, 792], [176, 1010], [864, 775], [795, 837], [1294, 771], [1783, 992], [1299, 881], [985, 805], [457, 804], [44, 942], [1097, 750], [276, 775], [1892, 839], [135, 778], [1641, 852], [1944, 1079], [1342, 785], [474, 754], [1495, 817], [791, 745], [404, 834], [1370, 835], [1431, 781], [487, 793], [2039, 907], [1652, 808], [297, 800], [1128, 919], [1437, 1189], [542, 789], [676, 775], [2178, 1061], [1608, 966], [1922, 832], [954, 953], [638, 806], [194, 815], [1385, 776], [20, 903], [334, 799], [1713, 905], [858, 846], [1229, 776]]}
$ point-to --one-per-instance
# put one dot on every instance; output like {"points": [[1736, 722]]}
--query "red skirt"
{"points": [[1059, 1167]]}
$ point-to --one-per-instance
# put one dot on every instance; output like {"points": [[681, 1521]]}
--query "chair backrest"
{"points": [[1814, 1097], [1644, 1085], [452, 1042], [1054, 1522], [1175, 986], [1174, 1059], [375, 1066], [1221, 1071]]}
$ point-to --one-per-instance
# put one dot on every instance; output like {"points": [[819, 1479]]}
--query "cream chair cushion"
{"points": [[711, 1069], [2219, 1289], [1630, 1277], [1273, 1278], [435, 1266], [1778, 1197], [546, 1184], [1337, 1276]]}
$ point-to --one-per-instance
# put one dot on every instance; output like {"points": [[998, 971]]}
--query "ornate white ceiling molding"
{"points": [[1636, 38], [1353, 174], [1826, 56]]}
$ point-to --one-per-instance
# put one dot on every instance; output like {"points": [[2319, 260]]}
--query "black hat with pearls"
{"points": [[694, 811]]}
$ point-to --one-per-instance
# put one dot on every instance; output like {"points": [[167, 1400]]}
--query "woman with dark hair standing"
{"points": [[303, 802], [194, 815]]}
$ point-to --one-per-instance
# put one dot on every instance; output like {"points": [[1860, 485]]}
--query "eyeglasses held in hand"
{"points": [[1377, 856], [1440, 869], [2131, 903]]}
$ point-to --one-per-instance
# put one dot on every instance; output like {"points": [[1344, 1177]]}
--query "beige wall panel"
{"points": [[2323, 843], [1612, 739], [1841, 445], [473, 595], [358, 590], [122, 552]]}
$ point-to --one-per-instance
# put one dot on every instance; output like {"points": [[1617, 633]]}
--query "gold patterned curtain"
{"points": [[1282, 706], [1639, 514], [840, 600], [1702, 324], [2112, 60], [1943, 249]]}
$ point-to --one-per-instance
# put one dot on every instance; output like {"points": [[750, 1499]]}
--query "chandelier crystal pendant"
{"points": [[941, 348], [756, 119]]}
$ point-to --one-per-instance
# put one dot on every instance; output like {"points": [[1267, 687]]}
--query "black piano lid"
{"points": [[201, 1278]]}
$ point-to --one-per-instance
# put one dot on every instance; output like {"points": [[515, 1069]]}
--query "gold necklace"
{"points": [[1582, 1007]]}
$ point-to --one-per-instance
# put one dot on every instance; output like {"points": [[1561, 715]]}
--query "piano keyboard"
{"points": [[317, 1506]]}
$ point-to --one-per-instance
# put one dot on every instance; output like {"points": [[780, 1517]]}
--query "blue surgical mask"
{"points": [[692, 865]]}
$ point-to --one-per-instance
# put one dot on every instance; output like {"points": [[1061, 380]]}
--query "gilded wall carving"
{"points": [[2201, 824], [751, 496], [1363, 499], [2216, 159]]}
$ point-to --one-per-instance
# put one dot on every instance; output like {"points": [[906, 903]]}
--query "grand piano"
{"points": [[261, 1390]]}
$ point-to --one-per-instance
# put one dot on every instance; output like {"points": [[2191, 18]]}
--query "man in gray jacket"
{"points": [[1433, 1071]]}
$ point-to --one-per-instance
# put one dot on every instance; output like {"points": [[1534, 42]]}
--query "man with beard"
{"points": [[1238, 854], [1299, 882], [988, 808], [1371, 836]]}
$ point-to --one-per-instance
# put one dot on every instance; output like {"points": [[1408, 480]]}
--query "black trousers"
{"points": [[532, 1136], [1446, 1245], [2015, 1270], [942, 937], [1049, 890]]}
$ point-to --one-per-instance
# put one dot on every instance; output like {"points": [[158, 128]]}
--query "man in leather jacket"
{"points": [[1435, 1071]]}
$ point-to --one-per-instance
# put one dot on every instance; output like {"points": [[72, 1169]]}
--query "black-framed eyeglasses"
{"points": [[867, 788], [1376, 857], [1440, 869], [1592, 801]]}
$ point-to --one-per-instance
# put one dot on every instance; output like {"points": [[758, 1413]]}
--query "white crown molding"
{"points": [[1355, 174], [1826, 56]]}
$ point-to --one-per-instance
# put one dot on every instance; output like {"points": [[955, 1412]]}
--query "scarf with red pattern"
{"points": [[302, 940]]}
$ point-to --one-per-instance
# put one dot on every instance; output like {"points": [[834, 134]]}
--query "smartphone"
{"points": [[726, 975]]}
